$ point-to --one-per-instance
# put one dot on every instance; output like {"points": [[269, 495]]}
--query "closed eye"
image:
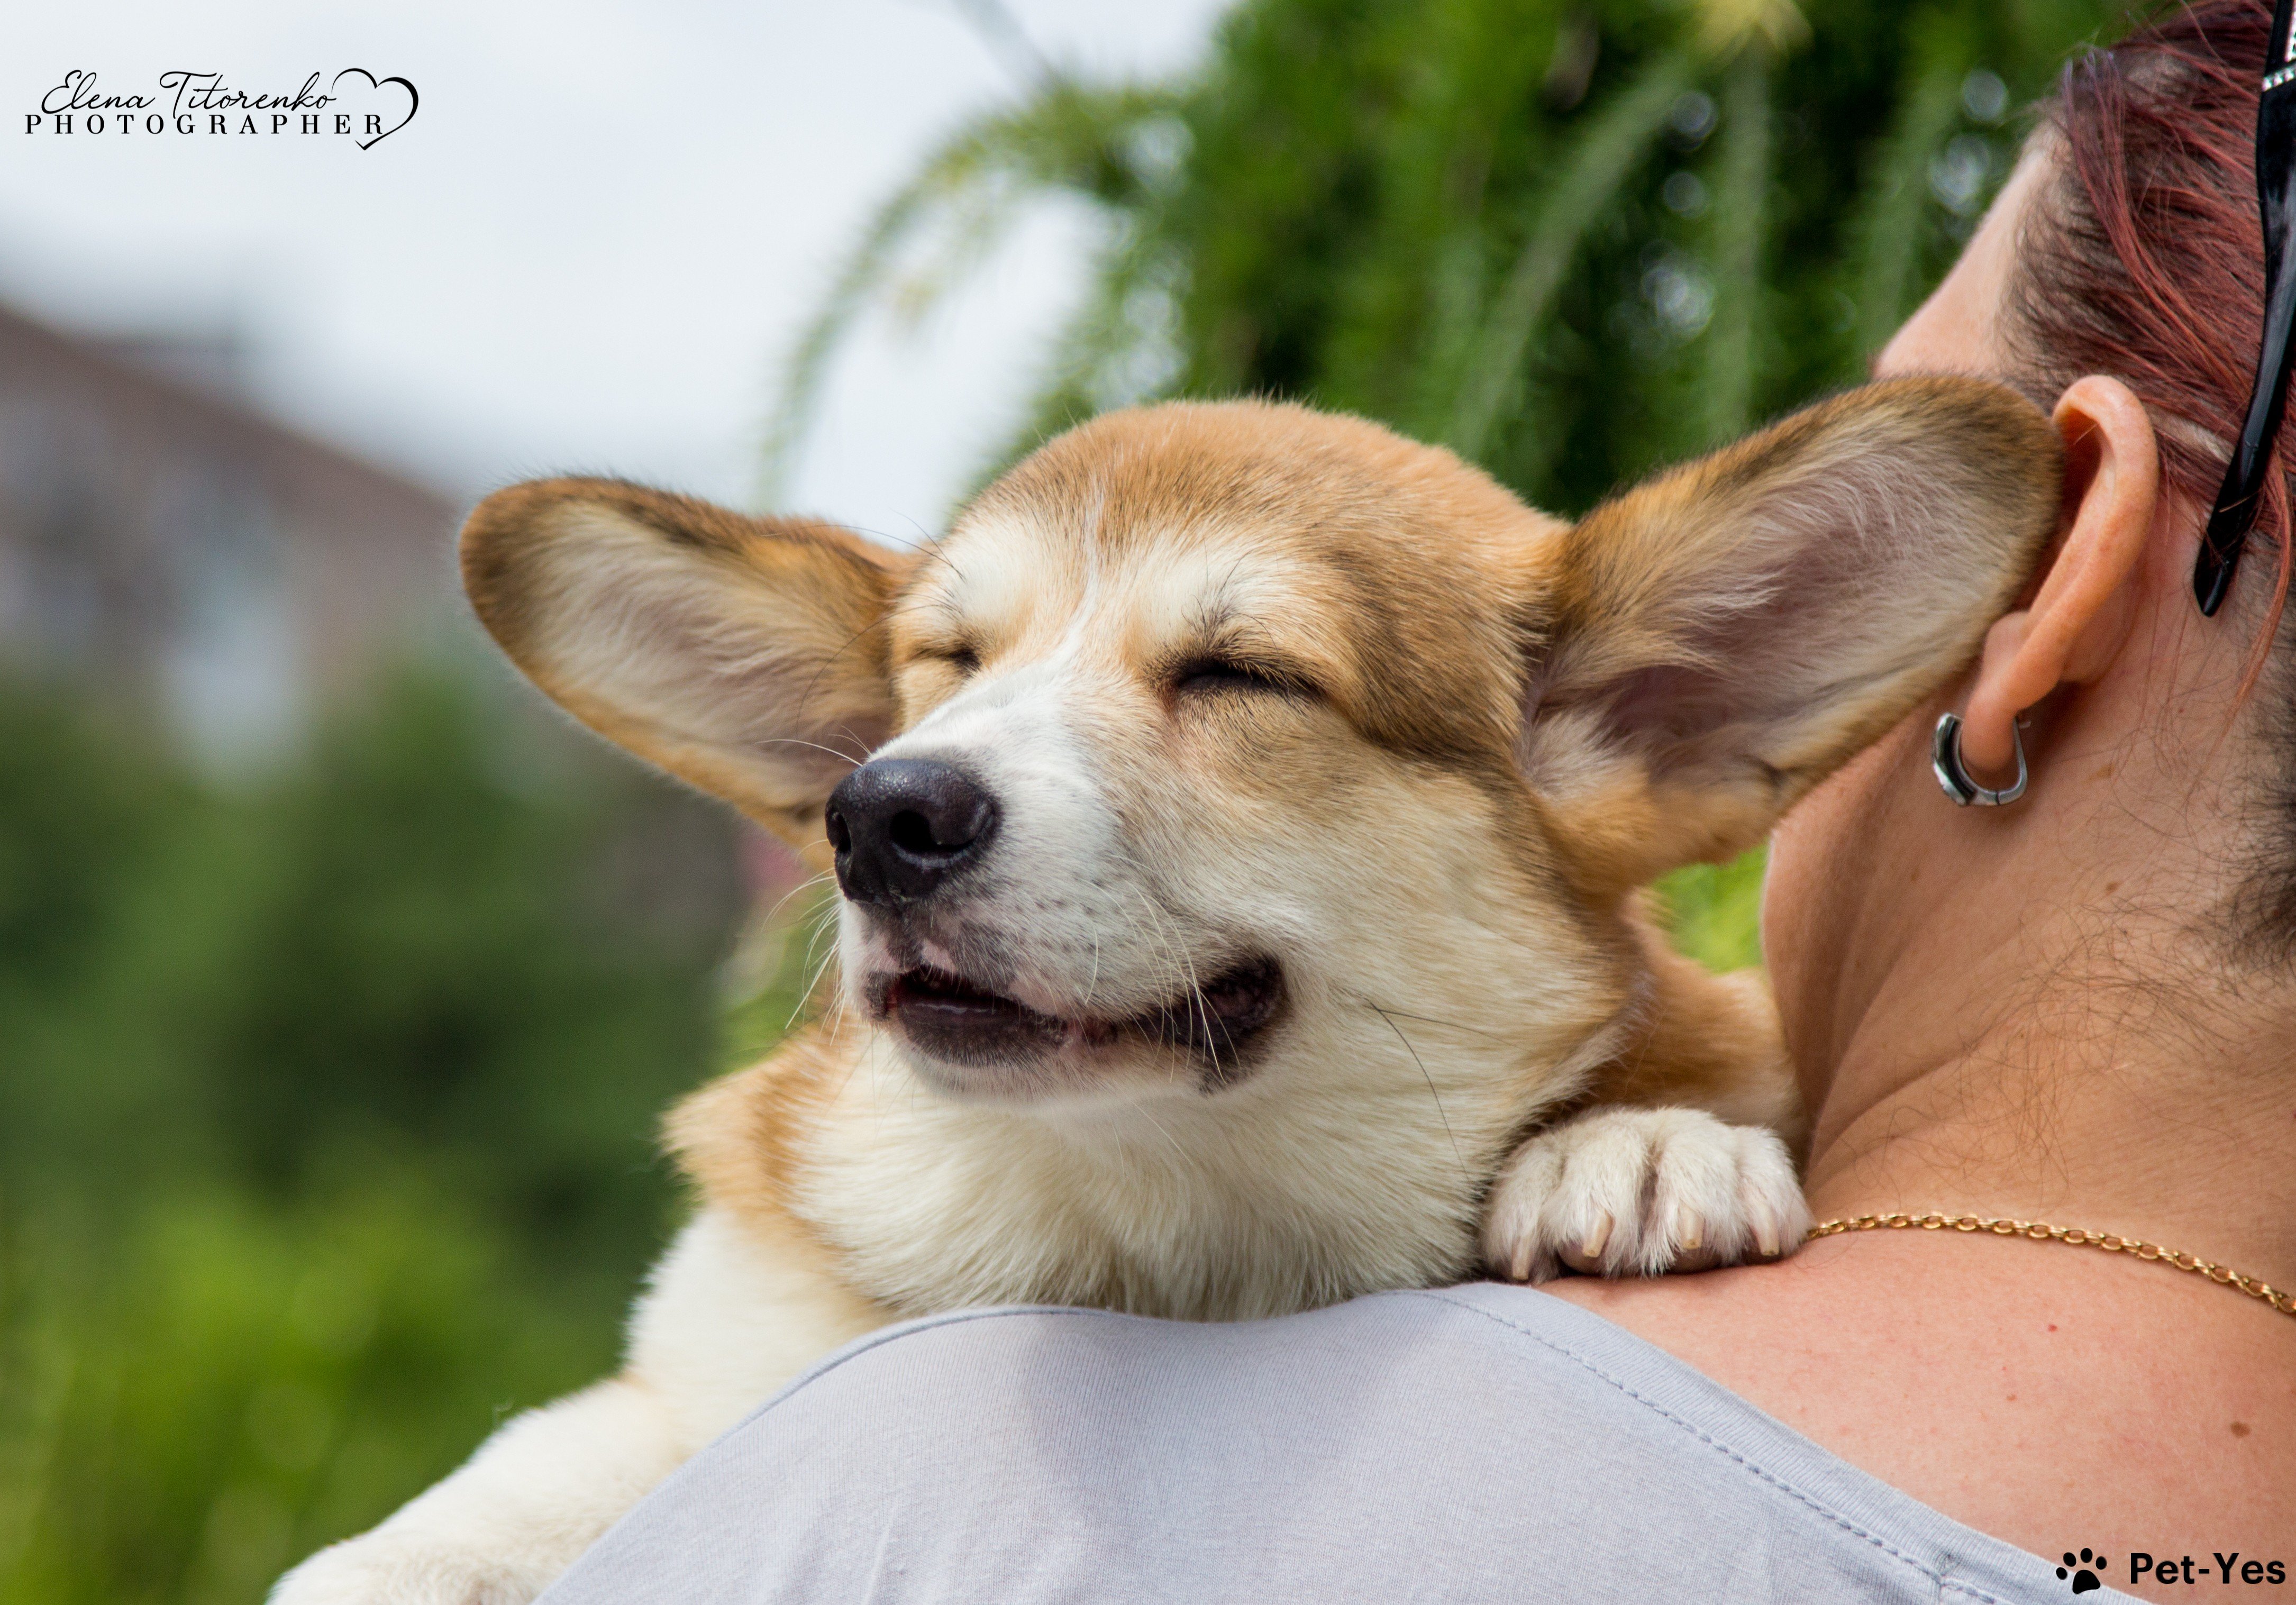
{"points": [[1213, 676], [962, 658]]}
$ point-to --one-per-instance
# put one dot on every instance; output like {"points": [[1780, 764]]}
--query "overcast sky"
{"points": [[592, 244]]}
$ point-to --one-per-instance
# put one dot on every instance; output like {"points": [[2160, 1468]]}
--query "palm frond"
{"points": [[1570, 239], [1741, 204], [1726, 27], [1896, 202], [1069, 137], [1617, 140]]}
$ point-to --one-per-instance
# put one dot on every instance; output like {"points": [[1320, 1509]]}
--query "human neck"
{"points": [[2070, 1052], [2038, 1011], [2130, 1146]]}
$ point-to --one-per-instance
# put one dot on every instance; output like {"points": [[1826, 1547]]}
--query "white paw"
{"points": [[389, 1568], [1628, 1192]]}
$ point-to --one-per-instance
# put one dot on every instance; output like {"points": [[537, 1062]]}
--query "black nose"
{"points": [[902, 826]]}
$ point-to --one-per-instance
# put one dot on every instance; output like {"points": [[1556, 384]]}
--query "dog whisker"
{"points": [[800, 890], [1426, 1019], [793, 740], [1431, 1092]]}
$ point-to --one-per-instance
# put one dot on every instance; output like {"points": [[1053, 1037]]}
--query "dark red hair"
{"points": [[2143, 258]]}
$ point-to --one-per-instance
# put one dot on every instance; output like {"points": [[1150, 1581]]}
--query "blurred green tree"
{"points": [[326, 1116], [1570, 239]]}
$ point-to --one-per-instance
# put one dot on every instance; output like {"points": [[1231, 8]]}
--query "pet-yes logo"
{"points": [[353, 105], [2082, 1572], [2085, 1571]]}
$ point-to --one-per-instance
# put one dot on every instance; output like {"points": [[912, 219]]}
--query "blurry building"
{"points": [[163, 540], [166, 545]]}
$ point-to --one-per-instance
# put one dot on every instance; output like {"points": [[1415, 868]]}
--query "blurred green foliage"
{"points": [[326, 1116], [1715, 911], [1572, 239]]}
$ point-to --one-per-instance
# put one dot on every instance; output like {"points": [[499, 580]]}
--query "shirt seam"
{"points": [[896, 1331], [1942, 1581], [1938, 1577]]}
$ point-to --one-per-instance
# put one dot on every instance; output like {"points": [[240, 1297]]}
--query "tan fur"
{"points": [[600, 551], [1634, 593], [1478, 731]]}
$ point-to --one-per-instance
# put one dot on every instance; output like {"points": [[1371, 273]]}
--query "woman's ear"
{"points": [[1715, 641], [745, 655], [2079, 617]]}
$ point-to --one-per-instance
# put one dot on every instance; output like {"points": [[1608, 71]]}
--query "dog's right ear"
{"points": [[744, 655], [1716, 641]]}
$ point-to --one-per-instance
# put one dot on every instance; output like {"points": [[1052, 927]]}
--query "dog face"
{"points": [[1177, 703], [1219, 746]]}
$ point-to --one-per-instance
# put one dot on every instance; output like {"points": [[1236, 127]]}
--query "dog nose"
{"points": [[901, 827]]}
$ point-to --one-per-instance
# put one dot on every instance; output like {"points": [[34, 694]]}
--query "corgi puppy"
{"points": [[1239, 818]]}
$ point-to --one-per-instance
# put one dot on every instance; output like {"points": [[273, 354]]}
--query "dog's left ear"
{"points": [[1715, 641], [744, 655]]}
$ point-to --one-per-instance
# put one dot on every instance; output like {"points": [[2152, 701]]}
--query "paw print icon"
{"points": [[2083, 1572]]}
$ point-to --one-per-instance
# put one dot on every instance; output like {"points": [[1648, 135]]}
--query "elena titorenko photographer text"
{"points": [[355, 105]]}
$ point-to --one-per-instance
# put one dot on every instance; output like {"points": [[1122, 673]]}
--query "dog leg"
{"points": [[1687, 1158], [500, 1530]]}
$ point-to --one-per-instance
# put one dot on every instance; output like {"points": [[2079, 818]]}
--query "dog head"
{"points": [[1220, 744]]}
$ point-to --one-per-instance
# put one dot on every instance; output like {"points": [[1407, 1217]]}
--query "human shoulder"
{"points": [[1349, 1453], [2048, 1399]]}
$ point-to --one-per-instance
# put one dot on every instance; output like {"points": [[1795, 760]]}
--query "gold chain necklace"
{"points": [[2042, 1231]]}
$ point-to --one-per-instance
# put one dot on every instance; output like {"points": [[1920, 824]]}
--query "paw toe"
{"points": [[1643, 1191]]}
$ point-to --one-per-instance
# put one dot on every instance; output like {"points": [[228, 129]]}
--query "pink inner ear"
{"points": [[739, 677], [1828, 592], [1739, 628], [1668, 711], [1749, 662]]}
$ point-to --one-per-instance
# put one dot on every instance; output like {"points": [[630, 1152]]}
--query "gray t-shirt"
{"points": [[1481, 1443]]}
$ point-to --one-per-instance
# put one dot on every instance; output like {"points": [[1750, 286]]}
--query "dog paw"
{"points": [[386, 1568], [1628, 1191]]}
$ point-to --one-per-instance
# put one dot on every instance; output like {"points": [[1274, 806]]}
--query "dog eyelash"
{"points": [[964, 659], [1214, 674]]}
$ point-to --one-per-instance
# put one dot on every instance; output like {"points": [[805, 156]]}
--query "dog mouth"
{"points": [[955, 1018]]}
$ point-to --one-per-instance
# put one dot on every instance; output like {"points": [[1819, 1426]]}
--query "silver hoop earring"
{"points": [[1953, 775]]}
